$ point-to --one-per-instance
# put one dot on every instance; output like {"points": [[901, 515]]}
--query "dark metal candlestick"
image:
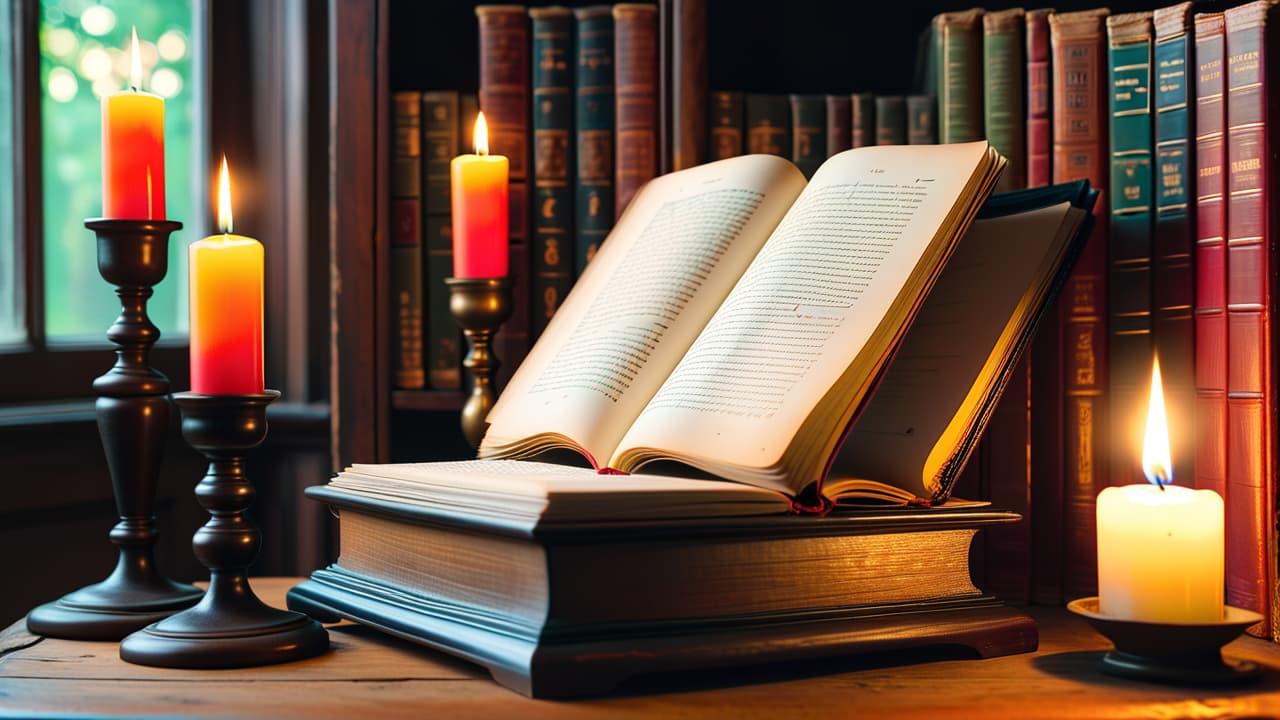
{"points": [[230, 627], [480, 305], [133, 417]]}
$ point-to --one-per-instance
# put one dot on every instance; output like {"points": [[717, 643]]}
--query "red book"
{"points": [[635, 37], [1039, 141], [1080, 150], [1251, 293]]}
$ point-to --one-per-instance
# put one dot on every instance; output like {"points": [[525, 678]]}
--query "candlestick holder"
{"points": [[1172, 653], [230, 627], [133, 417], [480, 305]]}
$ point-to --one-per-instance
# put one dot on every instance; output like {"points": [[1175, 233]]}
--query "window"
{"points": [[11, 323]]}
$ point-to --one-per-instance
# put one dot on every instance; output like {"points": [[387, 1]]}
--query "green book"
{"points": [[957, 38], [891, 120], [808, 132], [552, 134], [440, 144], [1004, 113], [406, 241], [769, 125], [593, 127], [922, 120]]}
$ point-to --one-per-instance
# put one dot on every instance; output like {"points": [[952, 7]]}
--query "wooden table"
{"points": [[370, 675]]}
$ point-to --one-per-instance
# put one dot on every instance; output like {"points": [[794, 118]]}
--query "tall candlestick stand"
{"points": [[133, 417], [230, 627], [480, 305]]}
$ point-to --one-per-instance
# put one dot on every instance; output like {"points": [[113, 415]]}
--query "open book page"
{"points": [[951, 357], [670, 261], [849, 254]]}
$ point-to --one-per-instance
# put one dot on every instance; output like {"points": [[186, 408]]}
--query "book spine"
{"points": [[808, 125], [1003, 110], [891, 120], [922, 120], [1211, 254], [728, 115], [635, 73], [552, 133], [1173, 284], [1251, 275], [666, 83], [593, 126], [769, 125], [406, 240], [441, 139], [959, 39], [505, 100], [1129, 346], [1039, 99], [839, 124], [1078, 44], [864, 119], [689, 73]]}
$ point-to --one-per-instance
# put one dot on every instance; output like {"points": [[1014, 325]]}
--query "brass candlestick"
{"points": [[480, 305], [133, 417]]}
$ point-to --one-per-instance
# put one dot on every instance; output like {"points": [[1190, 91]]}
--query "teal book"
{"points": [[440, 144], [1004, 111], [769, 125], [922, 120], [808, 132], [957, 38], [593, 130], [891, 120], [552, 136]]}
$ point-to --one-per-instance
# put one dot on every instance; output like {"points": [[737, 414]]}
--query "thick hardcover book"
{"points": [[1173, 281], [635, 81], [1078, 40], [1251, 294], [769, 125], [864, 119], [808, 132], [441, 132], [689, 73], [958, 47], [922, 120], [1039, 99], [839, 124], [1003, 107], [552, 138], [593, 125], [406, 240], [1211, 253], [1129, 346], [728, 122], [891, 120]]}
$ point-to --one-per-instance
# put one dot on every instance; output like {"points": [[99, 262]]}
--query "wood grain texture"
{"points": [[369, 674]]}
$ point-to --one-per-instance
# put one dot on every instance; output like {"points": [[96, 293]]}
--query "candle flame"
{"points": [[481, 135], [224, 198], [1157, 460], [135, 63]]}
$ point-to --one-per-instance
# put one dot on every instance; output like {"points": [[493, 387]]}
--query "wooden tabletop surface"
{"points": [[368, 675]]}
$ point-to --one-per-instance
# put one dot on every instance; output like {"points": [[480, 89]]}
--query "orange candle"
{"points": [[479, 199], [226, 307], [133, 150]]}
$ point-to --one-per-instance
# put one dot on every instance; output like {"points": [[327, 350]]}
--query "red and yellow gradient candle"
{"points": [[479, 199], [133, 150], [226, 307]]}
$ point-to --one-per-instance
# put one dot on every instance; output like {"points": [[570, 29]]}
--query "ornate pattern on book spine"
{"points": [[728, 116], [593, 126], [1173, 287], [922, 120], [635, 43], [441, 137], [1039, 138], [1003, 116], [891, 120], [1080, 151], [552, 135], [864, 119], [769, 125], [839, 124], [958, 48], [1129, 250], [406, 240], [1251, 278]]}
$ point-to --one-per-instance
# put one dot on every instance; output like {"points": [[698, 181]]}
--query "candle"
{"points": [[1160, 547], [226, 307], [479, 199], [133, 150]]}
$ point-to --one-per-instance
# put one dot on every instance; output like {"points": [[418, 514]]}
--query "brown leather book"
{"points": [[688, 83], [839, 124], [635, 36], [728, 118], [1039, 139], [864, 119]]}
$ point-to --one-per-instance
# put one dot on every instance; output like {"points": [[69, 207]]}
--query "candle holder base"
{"points": [[1172, 653], [480, 305]]}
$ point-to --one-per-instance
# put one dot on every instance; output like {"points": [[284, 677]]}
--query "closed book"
{"points": [[1080, 148], [839, 124], [593, 127], [922, 120], [635, 80], [769, 125], [1211, 254], [406, 240], [808, 132], [957, 39], [864, 119], [552, 138], [1251, 293], [689, 76], [891, 120], [1129, 346], [728, 122], [441, 133], [1173, 283], [1003, 106], [1039, 99]]}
